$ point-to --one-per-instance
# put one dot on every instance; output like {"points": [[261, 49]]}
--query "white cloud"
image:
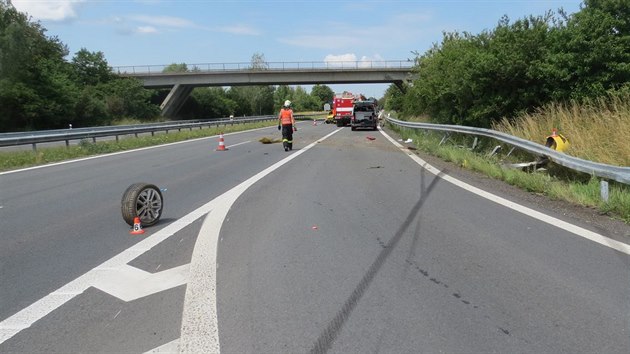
{"points": [[241, 30], [59, 10], [367, 62], [350, 59], [338, 60], [146, 30], [167, 21]]}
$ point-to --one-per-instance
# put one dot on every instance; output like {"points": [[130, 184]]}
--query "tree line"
{"points": [[40, 89], [469, 79], [517, 67]]}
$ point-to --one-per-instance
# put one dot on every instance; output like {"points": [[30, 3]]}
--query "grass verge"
{"points": [[22, 159], [555, 182]]}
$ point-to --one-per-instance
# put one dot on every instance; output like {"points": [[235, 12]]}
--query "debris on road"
{"points": [[266, 140]]}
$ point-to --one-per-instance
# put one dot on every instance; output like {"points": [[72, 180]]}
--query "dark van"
{"points": [[364, 115]]}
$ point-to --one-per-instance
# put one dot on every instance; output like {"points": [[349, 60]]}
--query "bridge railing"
{"points": [[246, 66]]}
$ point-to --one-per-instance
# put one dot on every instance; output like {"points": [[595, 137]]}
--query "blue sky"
{"points": [[160, 32]]}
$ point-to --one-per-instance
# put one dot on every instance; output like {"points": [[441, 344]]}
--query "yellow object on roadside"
{"points": [[557, 141]]}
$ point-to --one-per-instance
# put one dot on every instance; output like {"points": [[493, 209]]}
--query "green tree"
{"points": [[258, 62], [323, 94], [281, 94], [90, 109], [125, 97], [592, 54], [477, 79], [175, 68], [303, 101], [393, 100], [207, 103], [242, 97], [36, 91], [262, 100], [91, 68]]}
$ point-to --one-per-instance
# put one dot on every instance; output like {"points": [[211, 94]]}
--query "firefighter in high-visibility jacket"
{"points": [[286, 123]]}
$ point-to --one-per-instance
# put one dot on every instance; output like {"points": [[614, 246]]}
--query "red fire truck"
{"points": [[342, 108]]}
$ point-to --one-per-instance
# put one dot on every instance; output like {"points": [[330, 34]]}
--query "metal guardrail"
{"points": [[67, 135], [297, 65], [615, 173]]}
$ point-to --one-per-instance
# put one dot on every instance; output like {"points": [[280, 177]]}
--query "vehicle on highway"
{"points": [[342, 105], [330, 117], [364, 115]]}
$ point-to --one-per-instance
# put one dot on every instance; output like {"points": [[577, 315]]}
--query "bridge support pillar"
{"points": [[175, 100], [400, 86]]}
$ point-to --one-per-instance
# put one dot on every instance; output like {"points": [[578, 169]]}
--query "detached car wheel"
{"points": [[144, 201]]}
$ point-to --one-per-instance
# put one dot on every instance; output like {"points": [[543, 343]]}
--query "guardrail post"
{"points": [[34, 147], [603, 190], [94, 139], [444, 139], [474, 145], [67, 143], [495, 151]]}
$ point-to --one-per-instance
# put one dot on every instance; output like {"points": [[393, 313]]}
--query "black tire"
{"points": [[339, 123], [143, 200], [353, 128]]}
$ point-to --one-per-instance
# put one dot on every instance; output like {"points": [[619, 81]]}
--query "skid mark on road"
{"points": [[328, 336]]}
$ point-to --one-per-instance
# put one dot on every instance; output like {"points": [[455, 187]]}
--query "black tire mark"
{"points": [[328, 336]]}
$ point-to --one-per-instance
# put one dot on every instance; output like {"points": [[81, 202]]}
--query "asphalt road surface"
{"points": [[348, 244]]}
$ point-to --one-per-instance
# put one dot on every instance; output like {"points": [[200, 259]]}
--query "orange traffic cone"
{"points": [[221, 143], [137, 227]]}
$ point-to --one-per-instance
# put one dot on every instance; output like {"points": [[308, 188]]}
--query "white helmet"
{"points": [[287, 103]]}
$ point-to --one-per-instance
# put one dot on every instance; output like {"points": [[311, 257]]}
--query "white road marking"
{"points": [[237, 144], [36, 311], [587, 234], [201, 294], [168, 348], [130, 283], [42, 307], [200, 332]]}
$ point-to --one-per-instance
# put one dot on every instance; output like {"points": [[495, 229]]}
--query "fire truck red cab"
{"points": [[343, 105]]}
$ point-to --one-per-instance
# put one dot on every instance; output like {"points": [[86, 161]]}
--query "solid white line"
{"points": [[237, 144], [42, 307], [200, 331], [574, 229]]}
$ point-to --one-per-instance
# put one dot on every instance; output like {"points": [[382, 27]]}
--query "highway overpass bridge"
{"points": [[283, 73]]}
